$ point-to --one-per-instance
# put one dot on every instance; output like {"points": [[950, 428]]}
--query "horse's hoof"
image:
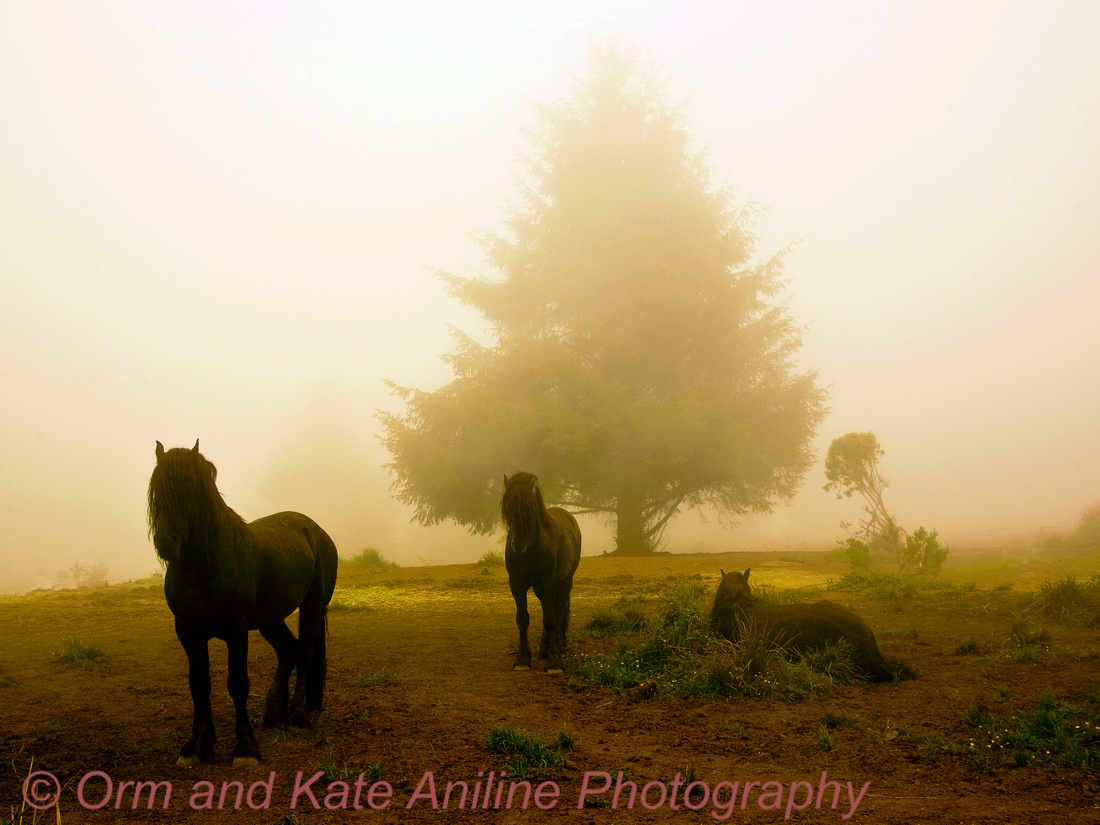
{"points": [[188, 762], [245, 761], [522, 667]]}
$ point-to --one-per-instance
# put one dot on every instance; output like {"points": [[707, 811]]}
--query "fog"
{"points": [[218, 222]]}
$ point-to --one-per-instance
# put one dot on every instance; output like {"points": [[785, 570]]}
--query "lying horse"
{"points": [[542, 551], [801, 627], [226, 577]]}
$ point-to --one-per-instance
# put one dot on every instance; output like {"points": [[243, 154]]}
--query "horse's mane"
{"points": [[522, 507], [183, 492]]}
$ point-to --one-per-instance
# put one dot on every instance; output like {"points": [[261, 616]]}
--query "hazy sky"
{"points": [[217, 222]]}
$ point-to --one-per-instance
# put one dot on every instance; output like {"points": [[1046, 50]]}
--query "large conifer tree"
{"points": [[638, 364]]}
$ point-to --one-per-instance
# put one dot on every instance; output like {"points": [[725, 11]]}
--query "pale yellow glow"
{"points": [[215, 217]]}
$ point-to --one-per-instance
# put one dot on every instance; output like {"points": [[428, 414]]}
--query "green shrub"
{"points": [[1068, 600], [922, 552], [492, 558], [369, 559]]}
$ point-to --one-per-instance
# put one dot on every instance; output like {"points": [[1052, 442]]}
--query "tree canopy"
{"points": [[851, 466], [638, 366]]}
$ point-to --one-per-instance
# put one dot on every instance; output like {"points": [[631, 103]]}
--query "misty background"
{"points": [[218, 222]]}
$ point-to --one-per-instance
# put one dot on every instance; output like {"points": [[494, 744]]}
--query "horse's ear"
{"points": [[747, 571], [195, 449], [160, 451], [723, 572]]}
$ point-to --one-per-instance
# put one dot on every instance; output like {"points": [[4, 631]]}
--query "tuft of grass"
{"points": [[968, 648], [79, 654], [885, 735], [369, 559], [1068, 601], [624, 619], [529, 755], [381, 677], [824, 738], [839, 720], [935, 744]]}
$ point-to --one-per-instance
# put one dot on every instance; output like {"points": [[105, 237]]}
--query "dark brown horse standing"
{"points": [[542, 552], [225, 577], [801, 627]]}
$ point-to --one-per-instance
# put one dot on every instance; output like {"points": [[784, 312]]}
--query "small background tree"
{"points": [[851, 466]]}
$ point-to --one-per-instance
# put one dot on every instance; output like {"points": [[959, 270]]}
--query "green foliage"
{"points": [[639, 363], [824, 738], [922, 553], [851, 464], [369, 559], [78, 654], [680, 657], [857, 553], [1052, 734], [529, 754]]}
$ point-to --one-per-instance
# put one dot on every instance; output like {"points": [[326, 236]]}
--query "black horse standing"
{"points": [[542, 552], [225, 577]]}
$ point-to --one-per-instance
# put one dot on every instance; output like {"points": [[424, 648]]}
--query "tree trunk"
{"points": [[630, 538]]}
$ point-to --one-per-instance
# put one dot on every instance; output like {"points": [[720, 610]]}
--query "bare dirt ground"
{"points": [[445, 636]]}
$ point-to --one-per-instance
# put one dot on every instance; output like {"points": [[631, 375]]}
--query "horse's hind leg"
{"points": [[311, 627], [523, 620], [201, 744], [245, 751], [278, 696], [557, 622]]}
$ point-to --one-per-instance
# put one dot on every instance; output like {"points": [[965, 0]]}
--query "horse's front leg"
{"points": [[245, 751], [278, 698], [546, 599], [523, 619], [201, 744]]}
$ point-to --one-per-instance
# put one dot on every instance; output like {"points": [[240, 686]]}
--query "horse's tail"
{"points": [[328, 561], [318, 666]]}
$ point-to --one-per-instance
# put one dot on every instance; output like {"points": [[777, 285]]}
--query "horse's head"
{"points": [[180, 488], [734, 587], [521, 506]]}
